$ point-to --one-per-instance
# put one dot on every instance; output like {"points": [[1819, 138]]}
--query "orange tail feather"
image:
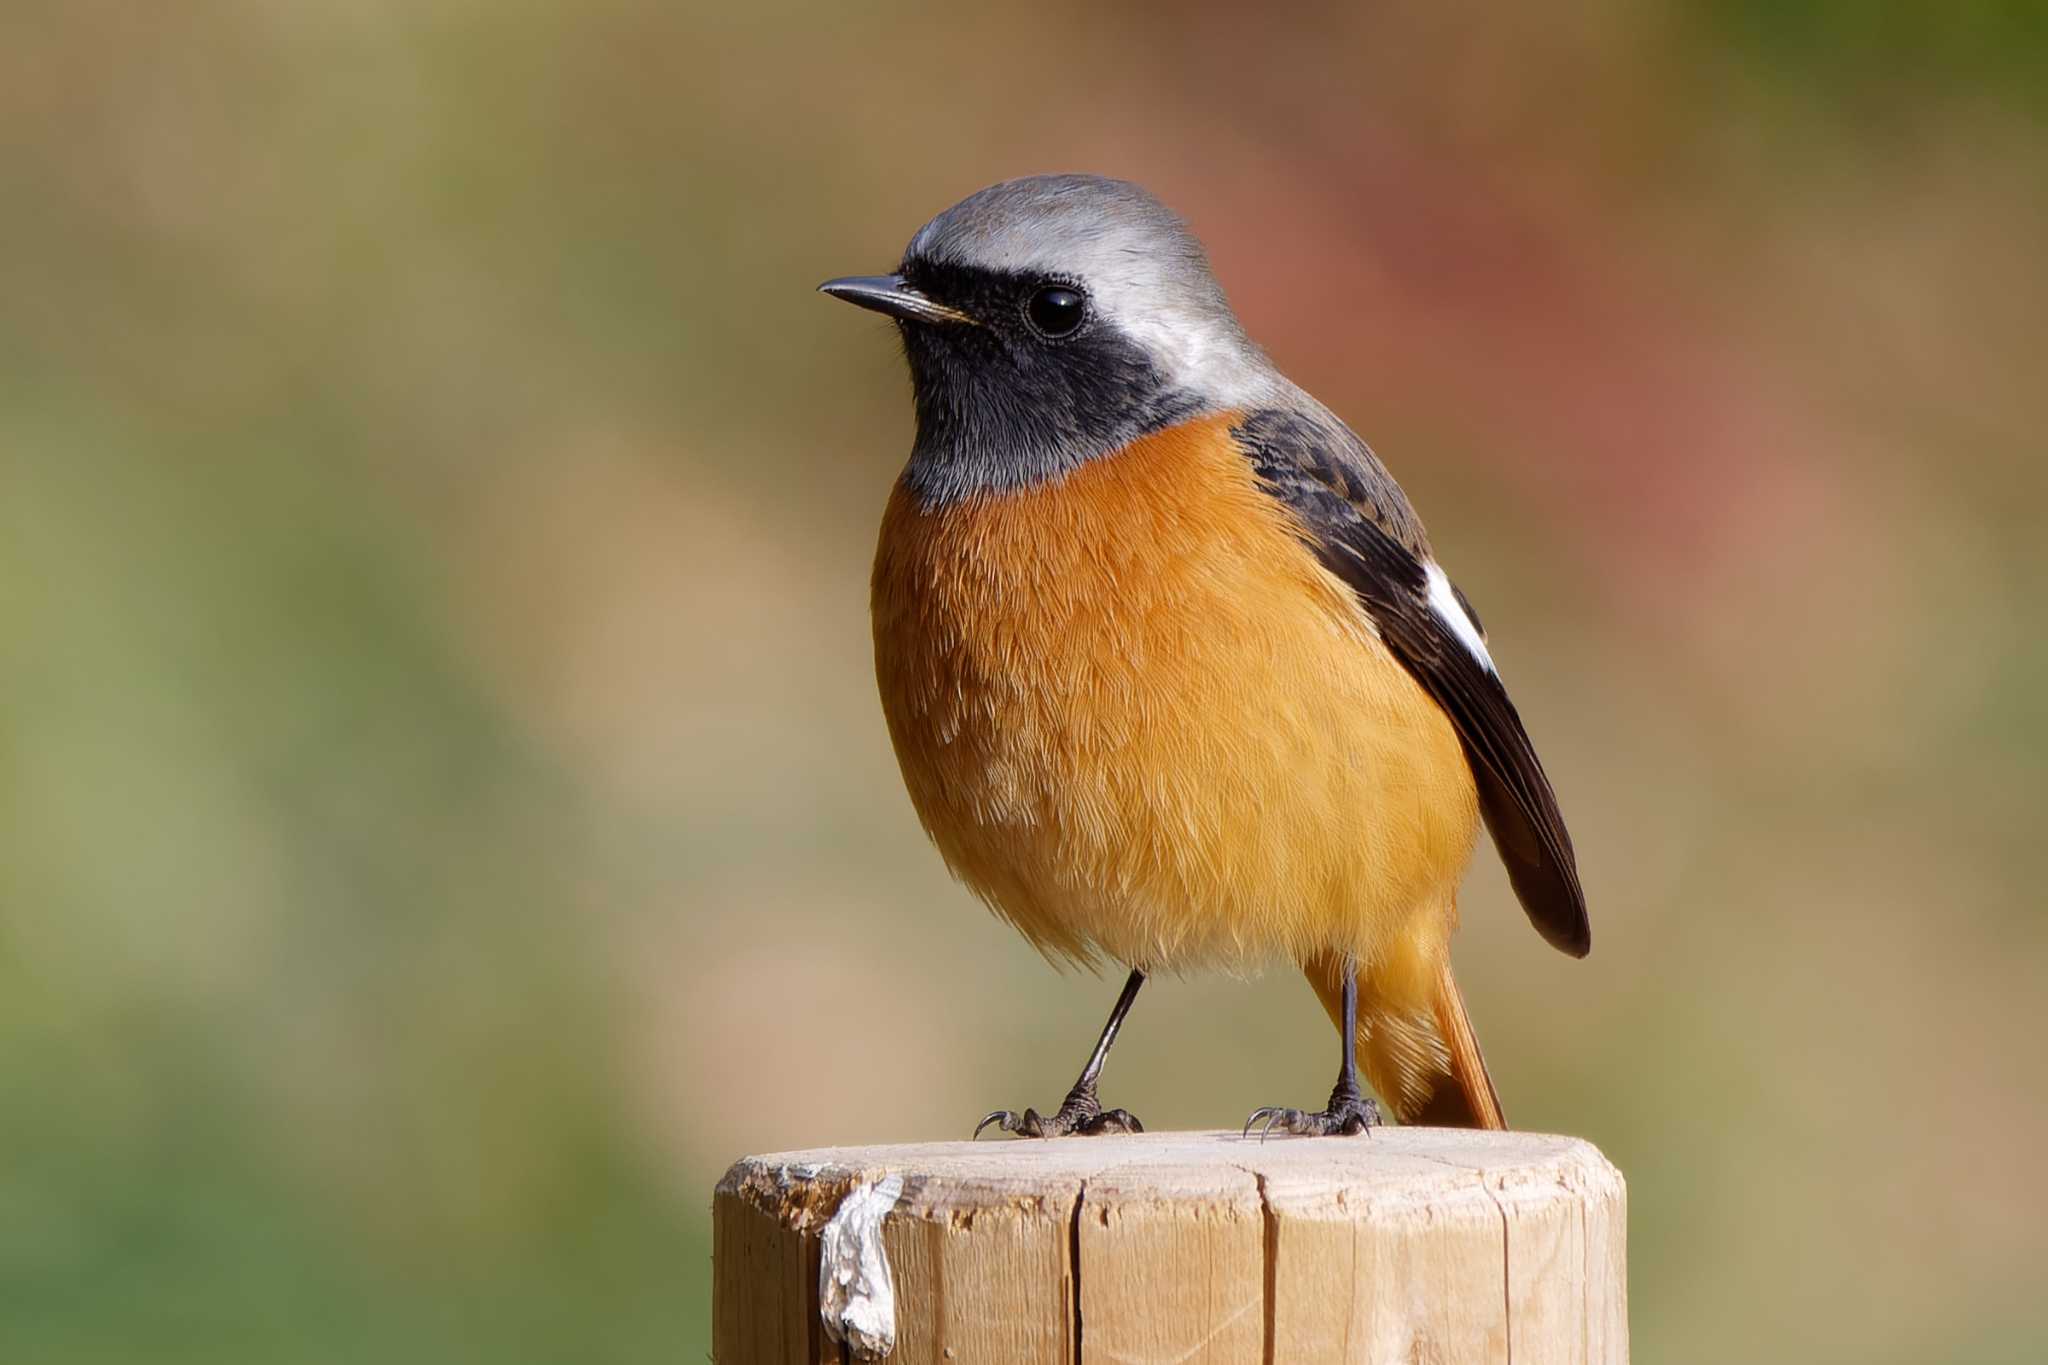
{"points": [[1425, 1063]]}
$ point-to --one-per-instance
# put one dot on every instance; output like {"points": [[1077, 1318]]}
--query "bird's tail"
{"points": [[1415, 1043]]}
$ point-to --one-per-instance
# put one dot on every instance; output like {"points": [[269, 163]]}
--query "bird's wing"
{"points": [[1360, 527]]}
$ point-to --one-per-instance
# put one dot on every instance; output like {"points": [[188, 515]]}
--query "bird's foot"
{"points": [[1349, 1113], [1080, 1114]]}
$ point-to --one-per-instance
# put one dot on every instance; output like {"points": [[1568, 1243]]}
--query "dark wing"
{"points": [[1361, 528]]}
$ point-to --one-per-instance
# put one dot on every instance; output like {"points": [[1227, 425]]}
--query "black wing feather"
{"points": [[1362, 530]]}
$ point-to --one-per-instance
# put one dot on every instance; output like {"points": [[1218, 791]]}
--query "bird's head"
{"points": [[1051, 320]]}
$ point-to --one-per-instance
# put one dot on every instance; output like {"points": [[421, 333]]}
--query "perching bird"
{"points": [[1171, 670]]}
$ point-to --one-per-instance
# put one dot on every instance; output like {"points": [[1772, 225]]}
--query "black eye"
{"points": [[1056, 310]]}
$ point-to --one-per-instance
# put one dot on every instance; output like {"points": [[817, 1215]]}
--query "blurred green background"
{"points": [[444, 813]]}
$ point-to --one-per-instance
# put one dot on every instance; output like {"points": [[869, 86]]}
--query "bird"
{"points": [[1171, 670]]}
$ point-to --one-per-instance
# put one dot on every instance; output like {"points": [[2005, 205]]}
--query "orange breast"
{"points": [[1141, 721]]}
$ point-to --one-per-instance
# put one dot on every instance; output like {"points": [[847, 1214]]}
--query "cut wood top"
{"points": [[1388, 1161]]}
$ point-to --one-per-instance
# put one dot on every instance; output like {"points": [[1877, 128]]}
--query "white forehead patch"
{"points": [[1445, 604]]}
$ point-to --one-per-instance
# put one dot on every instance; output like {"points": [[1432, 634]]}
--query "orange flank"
{"points": [[1142, 722]]}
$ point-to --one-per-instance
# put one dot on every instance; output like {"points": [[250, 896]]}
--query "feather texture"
{"points": [[1142, 720]]}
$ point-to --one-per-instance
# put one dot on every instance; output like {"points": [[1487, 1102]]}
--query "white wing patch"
{"points": [[1444, 603]]}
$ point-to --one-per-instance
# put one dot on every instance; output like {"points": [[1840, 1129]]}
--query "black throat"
{"points": [[1001, 407]]}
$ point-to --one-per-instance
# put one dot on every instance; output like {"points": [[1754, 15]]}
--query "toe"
{"points": [[1347, 1119], [1113, 1121], [1296, 1121], [1285, 1120], [1362, 1117]]}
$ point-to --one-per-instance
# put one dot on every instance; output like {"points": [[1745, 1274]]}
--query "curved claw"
{"points": [[1005, 1119], [1271, 1114]]}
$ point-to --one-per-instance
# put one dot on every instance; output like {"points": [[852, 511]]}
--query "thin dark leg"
{"points": [[1081, 1111], [1092, 1072], [1349, 1111]]}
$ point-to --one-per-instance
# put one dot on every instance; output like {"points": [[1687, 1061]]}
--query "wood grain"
{"points": [[1411, 1245]]}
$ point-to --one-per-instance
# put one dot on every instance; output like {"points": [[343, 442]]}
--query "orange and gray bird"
{"points": [[1173, 674]]}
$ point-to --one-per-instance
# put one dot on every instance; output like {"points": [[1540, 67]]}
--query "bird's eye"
{"points": [[1056, 310]]}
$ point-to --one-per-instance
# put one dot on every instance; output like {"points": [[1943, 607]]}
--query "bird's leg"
{"points": [[1350, 1111], [1081, 1112]]}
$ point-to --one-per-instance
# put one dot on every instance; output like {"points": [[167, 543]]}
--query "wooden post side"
{"points": [[1411, 1244], [1173, 1265], [1408, 1267], [764, 1264], [984, 1272], [1567, 1259]]}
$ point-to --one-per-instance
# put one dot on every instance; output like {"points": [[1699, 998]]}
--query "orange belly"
{"points": [[1141, 721]]}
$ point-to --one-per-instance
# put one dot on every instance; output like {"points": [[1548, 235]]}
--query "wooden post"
{"points": [[1412, 1244]]}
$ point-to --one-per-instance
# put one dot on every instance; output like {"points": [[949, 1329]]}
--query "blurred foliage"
{"points": [[1873, 53], [445, 813]]}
